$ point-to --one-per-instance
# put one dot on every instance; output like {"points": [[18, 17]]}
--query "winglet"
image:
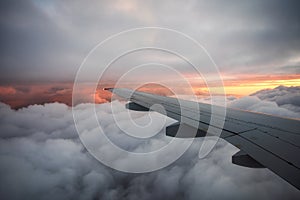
{"points": [[110, 89]]}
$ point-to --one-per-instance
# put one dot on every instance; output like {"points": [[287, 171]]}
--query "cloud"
{"points": [[286, 97], [255, 104], [45, 37], [281, 101], [41, 157]]}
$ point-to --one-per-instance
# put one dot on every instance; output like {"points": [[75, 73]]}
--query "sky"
{"points": [[252, 47], [255, 44]]}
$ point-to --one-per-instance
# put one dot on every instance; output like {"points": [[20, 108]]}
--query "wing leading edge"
{"points": [[264, 140]]}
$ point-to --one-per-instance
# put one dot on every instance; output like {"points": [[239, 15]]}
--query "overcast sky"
{"points": [[44, 42], [40, 39]]}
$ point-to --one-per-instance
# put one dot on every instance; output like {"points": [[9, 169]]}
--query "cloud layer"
{"points": [[44, 37], [41, 157], [286, 97]]}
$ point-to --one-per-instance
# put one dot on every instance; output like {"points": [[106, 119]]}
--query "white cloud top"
{"points": [[42, 158]]}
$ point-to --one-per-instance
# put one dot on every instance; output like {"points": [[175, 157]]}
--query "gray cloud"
{"points": [[39, 38], [41, 157], [286, 97]]}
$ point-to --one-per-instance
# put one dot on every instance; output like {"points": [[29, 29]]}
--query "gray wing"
{"points": [[264, 140]]}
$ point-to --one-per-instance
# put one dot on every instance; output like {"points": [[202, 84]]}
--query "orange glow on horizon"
{"points": [[247, 84], [18, 96], [247, 89]]}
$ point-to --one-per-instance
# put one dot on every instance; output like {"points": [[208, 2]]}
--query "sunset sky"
{"points": [[255, 44], [63, 136]]}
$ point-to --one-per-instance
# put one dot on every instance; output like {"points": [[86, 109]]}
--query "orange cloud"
{"points": [[7, 90], [18, 96]]}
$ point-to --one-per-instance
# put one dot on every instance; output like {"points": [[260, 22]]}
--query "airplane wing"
{"points": [[264, 140]]}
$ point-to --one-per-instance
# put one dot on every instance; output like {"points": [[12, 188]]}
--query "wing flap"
{"points": [[279, 166], [282, 149]]}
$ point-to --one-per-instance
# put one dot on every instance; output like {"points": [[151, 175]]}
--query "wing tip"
{"points": [[108, 88]]}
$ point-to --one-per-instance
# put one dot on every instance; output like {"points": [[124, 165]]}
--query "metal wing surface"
{"points": [[264, 140]]}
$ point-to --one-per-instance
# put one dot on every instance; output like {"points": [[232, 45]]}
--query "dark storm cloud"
{"points": [[46, 160], [40, 38]]}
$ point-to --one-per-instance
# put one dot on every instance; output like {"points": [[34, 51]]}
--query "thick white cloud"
{"points": [[253, 103], [286, 97], [41, 157]]}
